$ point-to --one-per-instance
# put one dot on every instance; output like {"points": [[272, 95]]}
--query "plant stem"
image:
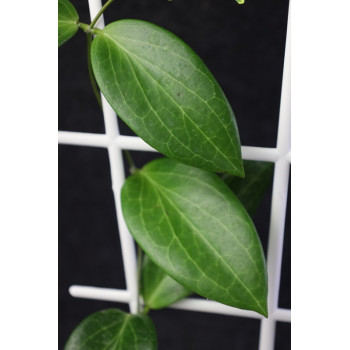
{"points": [[139, 268], [146, 310], [132, 167], [84, 27], [100, 13], [91, 73]]}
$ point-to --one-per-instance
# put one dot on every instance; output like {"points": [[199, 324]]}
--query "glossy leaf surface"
{"points": [[166, 94], [67, 21], [113, 330], [251, 189], [192, 226], [159, 289]]}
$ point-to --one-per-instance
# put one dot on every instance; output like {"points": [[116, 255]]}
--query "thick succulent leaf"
{"points": [[67, 21], [158, 289], [113, 330], [192, 226], [251, 189], [166, 94]]}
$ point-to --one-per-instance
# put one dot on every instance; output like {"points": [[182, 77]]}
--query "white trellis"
{"points": [[116, 143]]}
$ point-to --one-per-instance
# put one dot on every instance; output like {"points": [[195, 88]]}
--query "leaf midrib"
{"points": [[68, 21], [156, 290], [116, 339]]}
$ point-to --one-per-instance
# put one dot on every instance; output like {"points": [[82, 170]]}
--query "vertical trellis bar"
{"points": [[94, 7], [279, 202], [118, 177]]}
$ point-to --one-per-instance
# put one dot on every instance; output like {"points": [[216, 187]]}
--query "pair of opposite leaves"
{"points": [[183, 217]]}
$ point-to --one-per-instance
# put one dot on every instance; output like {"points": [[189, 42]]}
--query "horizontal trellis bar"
{"points": [[134, 143], [189, 304], [83, 139], [107, 294]]}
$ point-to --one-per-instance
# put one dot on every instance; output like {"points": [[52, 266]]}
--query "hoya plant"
{"points": [[190, 211]]}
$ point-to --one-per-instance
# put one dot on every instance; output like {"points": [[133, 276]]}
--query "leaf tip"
{"points": [[263, 309], [265, 313], [239, 171], [242, 172]]}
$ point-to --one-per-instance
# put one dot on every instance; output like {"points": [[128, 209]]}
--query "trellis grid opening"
{"points": [[115, 143]]}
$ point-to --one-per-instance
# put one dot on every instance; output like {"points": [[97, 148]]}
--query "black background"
{"points": [[243, 46]]}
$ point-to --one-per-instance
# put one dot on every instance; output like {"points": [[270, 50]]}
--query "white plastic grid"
{"points": [[115, 143]]}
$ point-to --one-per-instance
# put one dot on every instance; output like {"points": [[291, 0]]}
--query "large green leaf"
{"points": [[166, 94], [251, 189], [67, 21], [113, 330], [192, 226], [159, 289]]}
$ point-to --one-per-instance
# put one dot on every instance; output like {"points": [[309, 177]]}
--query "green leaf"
{"points": [[113, 330], [192, 226], [158, 289], [166, 94], [251, 189], [67, 21]]}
